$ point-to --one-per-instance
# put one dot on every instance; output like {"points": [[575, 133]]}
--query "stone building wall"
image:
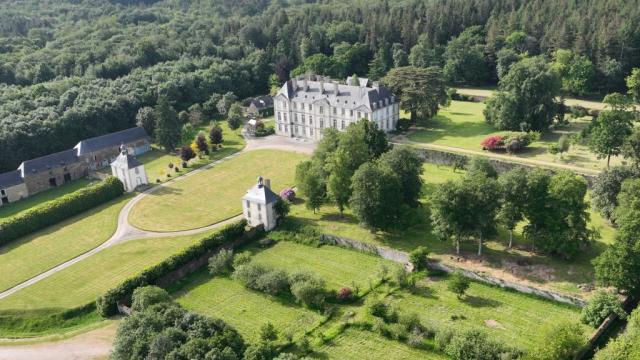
{"points": [[102, 158], [15, 193], [40, 181]]}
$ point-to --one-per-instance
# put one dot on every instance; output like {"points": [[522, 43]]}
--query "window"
{"points": [[279, 117], [279, 127], [342, 125], [137, 171], [310, 120], [335, 111], [359, 115], [321, 124], [249, 216], [3, 192], [311, 131], [366, 116], [259, 207], [343, 111], [285, 117], [335, 125], [302, 119], [321, 109], [310, 107], [248, 204], [296, 117], [259, 216]]}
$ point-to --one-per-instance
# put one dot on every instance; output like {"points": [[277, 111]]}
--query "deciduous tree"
{"points": [[421, 91]]}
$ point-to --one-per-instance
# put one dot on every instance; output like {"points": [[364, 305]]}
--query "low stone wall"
{"points": [[447, 158], [403, 258]]}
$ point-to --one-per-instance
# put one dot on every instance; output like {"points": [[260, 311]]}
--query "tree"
{"points": [[464, 60], [215, 135], [610, 129], [633, 83], [536, 209], [310, 180], [506, 58], [220, 263], [481, 165], [146, 119], [183, 117], [576, 71], [626, 345], [561, 146], [375, 138], [187, 153], [144, 297], [234, 117], [425, 53], [187, 133], [225, 102], [268, 332], [399, 55], [419, 258], [458, 284], [606, 187], [210, 107], [559, 341], [374, 200], [449, 215], [631, 147], [167, 131], [421, 91], [526, 99], [377, 66], [513, 185], [484, 195], [201, 143], [600, 306], [404, 162]]}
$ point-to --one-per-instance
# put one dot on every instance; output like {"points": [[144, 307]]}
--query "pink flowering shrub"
{"points": [[288, 194], [344, 294], [492, 142]]}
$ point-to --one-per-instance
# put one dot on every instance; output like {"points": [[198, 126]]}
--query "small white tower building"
{"points": [[258, 205], [129, 170]]}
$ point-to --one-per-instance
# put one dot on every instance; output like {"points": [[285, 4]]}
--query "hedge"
{"points": [[62, 208], [107, 304]]}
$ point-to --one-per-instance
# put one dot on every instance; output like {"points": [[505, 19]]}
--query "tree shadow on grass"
{"points": [[480, 302]]}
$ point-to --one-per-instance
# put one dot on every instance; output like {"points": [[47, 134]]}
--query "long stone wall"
{"points": [[447, 158], [403, 258]]}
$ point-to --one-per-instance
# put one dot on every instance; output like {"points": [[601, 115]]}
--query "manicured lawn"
{"points": [[214, 194], [40, 251], [517, 264], [244, 309], [337, 266], [10, 210], [356, 344], [157, 161], [462, 125], [83, 282], [510, 317]]}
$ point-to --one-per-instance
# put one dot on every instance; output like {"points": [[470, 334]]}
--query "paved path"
{"points": [[127, 232]]}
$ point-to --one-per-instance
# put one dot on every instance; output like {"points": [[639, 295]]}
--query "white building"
{"points": [[129, 170], [306, 105], [258, 205]]}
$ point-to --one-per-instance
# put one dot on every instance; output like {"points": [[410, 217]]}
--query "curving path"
{"points": [[127, 232]]}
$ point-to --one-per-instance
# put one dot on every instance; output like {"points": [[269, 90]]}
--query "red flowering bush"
{"points": [[288, 194], [344, 294], [492, 142]]}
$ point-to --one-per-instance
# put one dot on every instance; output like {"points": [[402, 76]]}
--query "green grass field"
{"points": [[157, 161], [518, 264], [214, 194], [40, 251], [356, 344], [462, 125], [244, 309], [83, 282], [10, 210]]}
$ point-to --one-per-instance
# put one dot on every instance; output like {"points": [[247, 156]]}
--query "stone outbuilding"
{"points": [[12, 187], [258, 205], [262, 106], [51, 170], [129, 170], [98, 152]]}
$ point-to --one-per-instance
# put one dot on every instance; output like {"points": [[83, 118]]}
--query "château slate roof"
{"points": [[10, 178], [48, 162], [261, 194], [111, 140], [316, 88]]}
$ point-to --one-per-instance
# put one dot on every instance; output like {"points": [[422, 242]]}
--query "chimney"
{"points": [[376, 85], [305, 86], [321, 86], [267, 183], [335, 88], [294, 84]]}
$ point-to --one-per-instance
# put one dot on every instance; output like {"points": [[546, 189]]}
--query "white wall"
{"points": [[257, 214]]}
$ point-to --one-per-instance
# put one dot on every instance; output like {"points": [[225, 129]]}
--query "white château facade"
{"points": [[306, 105], [258, 205]]}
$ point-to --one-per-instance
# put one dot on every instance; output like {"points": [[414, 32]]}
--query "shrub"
{"points": [[264, 131], [220, 263], [458, 284], [344, 294], [273, 282], [516, 141], [474, 344], [268, 332], [559, 341], [308, 289], [404, 279], [170, 165], [241, 259], [418, 258], [288, 194], [600, 307], [260, 351], [62, 208], [106, 304], [492, 142], [377, 308], [145, 296]]}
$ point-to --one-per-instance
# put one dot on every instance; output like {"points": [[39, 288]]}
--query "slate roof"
{"points": [[127, 161], [347, 96], [48, 162], [262, 102], [261, 194], [10, 178], [111, 140]]}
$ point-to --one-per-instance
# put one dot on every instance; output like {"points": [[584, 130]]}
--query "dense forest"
{"points": [[71, 69]]}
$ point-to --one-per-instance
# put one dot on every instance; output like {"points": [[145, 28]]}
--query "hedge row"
{"points": [[107, 303], [62, 208]]}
